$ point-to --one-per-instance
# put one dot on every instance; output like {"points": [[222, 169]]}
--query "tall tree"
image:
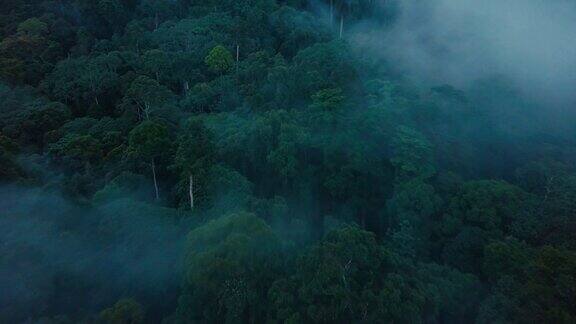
{"points": [[150, 141], [194, 157], [148, 95]]}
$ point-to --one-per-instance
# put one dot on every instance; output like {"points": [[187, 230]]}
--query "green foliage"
{"points": [[84, 148], [194, 160], [39, 124], [219, 60], [412, 154], [230, 264], [345, 268], [157, 63], [324, 66], [411, 211], [125, 185], [299, 30], [149, 140], [318, 182], [157, 10], [84, 81], [26, 55], [348, 277], [328, 99], [539, 278], [32, 27], [489, 205], [148, 95], [195, 151]]}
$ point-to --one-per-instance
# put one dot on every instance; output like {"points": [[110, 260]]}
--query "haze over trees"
{"points": [[278, 161]]}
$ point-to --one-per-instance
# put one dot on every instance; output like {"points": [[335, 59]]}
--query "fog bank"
{"points": [[531, 42]]}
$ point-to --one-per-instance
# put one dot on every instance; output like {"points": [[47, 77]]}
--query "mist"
{"points": [[67, 258], [530, 42]]}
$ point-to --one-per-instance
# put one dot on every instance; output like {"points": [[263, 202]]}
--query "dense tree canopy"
{"points": [[188, 161]]}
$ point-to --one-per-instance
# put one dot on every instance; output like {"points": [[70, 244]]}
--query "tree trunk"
{"points": [[186, 87], [341, 25], [139, 111], [191, 192], [146, 110], [155, 181]]}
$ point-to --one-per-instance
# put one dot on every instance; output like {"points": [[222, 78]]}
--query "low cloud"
{"points": [[531, 42]]}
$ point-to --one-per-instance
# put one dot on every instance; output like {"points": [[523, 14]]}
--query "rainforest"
{"points": [[287, 161]]}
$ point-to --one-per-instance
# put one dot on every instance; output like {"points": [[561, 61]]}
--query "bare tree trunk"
{"points": [[341, 25], [186, 87], [237, 60], [345, 270], [155, 181], [191, 192], [146, 110], [96, 100]]}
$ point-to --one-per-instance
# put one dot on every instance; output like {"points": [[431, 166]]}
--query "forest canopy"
{"points": [[287, 161]]}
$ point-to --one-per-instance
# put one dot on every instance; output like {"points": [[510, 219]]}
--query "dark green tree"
{"points": [[149, 142], [230, 265], [194, 158], [219, 60]]}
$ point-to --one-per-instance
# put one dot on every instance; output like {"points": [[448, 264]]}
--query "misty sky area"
{"points": [[287, 161], [532, 42]]}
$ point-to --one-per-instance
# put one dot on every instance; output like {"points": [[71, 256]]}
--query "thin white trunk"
{"points": [[237, 59], [345, 270], [146, 110], [186, 87], [341, 25], [155, 181], [191, 192]]}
